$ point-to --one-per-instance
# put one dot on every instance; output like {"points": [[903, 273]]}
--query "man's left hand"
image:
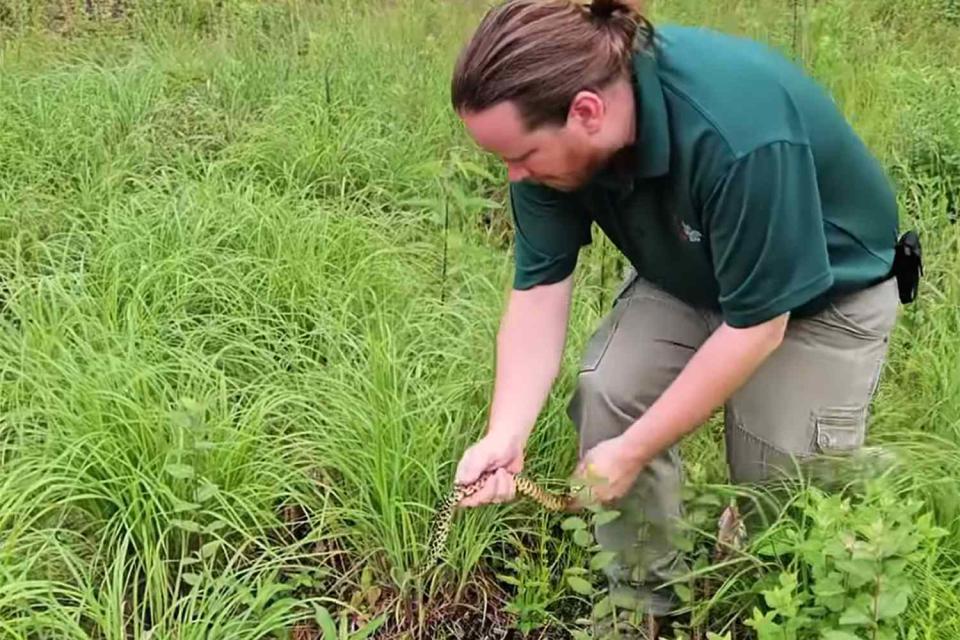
{"points": [[609, 469]]}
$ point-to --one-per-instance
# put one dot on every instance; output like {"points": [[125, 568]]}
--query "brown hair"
{"points": [[540, 53]]}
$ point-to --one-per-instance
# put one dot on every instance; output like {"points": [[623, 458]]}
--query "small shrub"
{"points": [[832, 566]]}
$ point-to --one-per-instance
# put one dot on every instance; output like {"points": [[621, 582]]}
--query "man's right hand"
{"points": [[498, 453]]}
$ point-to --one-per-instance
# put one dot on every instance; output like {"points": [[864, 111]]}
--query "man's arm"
{"points": [[549, 230], [530, 346], [721, 366], [764, 223]]}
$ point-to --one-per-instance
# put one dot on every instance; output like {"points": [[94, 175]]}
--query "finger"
{"points": [[475, 499], [468, 470], [486, 495], [496, 483], [482, 496], [505, 486], [511, 486], [491, 491]]}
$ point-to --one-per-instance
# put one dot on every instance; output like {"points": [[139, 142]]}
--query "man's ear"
{"points": [[586, 111]]}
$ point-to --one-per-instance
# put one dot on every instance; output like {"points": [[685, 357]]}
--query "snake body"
{"points": [[440, 528]]}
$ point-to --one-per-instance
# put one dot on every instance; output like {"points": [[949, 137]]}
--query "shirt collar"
{"points": [[653, 139], [649, 155]]}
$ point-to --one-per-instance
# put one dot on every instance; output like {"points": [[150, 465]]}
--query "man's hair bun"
{"points": [[608, 8]]}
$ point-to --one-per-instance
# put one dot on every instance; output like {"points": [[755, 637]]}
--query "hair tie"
{"points": [[603, 9]]}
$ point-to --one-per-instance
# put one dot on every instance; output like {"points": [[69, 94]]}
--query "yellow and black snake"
{"points": [[440, 527], [731, 531]]}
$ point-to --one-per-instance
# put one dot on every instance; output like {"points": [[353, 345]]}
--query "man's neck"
{"points": [[622, 104]]}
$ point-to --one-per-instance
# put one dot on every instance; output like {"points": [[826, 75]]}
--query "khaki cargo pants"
{"points": [[811, 396]]}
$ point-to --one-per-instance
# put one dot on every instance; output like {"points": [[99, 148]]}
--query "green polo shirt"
{"points": [[747, 192]]}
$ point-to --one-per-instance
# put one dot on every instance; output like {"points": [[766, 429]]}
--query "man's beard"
{"points": [[588, 166]]}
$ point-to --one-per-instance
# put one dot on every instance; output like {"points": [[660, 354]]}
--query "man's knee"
{"points": [[598, 409]]}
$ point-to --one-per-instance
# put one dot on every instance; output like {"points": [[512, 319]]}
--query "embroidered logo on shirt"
{"points": [[691, 234]]}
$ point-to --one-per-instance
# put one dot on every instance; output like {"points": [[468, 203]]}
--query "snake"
{"points": [[730, 535], [443, 519]]}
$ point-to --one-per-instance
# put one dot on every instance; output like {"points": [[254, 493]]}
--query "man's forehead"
{"points": [[499, 128]]}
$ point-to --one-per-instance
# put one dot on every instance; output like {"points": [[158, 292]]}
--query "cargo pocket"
{"points": [[840, 430]]}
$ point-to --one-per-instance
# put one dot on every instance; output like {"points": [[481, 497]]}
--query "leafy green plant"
{"points": [[330, 630], [610, 611], [534, 593], [835, 565], [849, 576]]}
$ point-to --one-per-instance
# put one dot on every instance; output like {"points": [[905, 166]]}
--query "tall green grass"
{"points": [[250, 277]]}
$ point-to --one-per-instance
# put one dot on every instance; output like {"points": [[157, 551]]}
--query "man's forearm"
{"points": [[529, 349], [722, 365], [525, 371]]}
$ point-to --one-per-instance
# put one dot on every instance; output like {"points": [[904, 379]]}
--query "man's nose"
{"points": [[515, 173]]}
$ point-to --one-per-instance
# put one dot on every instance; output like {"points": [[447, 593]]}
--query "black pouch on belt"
{"points": [[908, 266]]}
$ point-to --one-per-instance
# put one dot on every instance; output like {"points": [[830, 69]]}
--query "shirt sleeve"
{"points": [[549, 229], [765, 227]]}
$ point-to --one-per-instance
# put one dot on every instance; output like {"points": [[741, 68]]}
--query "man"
{"points": [[761, 232]]}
